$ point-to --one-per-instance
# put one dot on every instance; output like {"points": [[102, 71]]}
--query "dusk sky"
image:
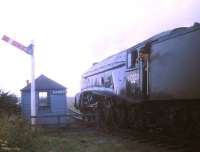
{"points": [[69, 35]]}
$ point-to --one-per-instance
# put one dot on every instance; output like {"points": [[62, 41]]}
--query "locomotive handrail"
{"points": [[98, 70]]}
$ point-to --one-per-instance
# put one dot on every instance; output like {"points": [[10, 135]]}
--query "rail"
{"points": [[59, 117]]}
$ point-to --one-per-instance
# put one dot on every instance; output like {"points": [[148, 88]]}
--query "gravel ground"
{"points": [[81, 137]]}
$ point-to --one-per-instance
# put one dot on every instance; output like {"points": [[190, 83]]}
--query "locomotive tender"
{"points": [[154, 84]]}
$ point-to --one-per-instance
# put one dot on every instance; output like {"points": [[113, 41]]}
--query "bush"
{"points": [[17, 133], [8, 103]]}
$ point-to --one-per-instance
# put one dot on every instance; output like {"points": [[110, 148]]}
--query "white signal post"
{"points": [[33, 103], [29, 50]]}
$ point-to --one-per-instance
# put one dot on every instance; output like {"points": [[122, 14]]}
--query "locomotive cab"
{"points": [[138, 72]]}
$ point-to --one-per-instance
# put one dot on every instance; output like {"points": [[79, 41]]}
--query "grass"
{"points": [[76, 142], [76, 137], [87, 140]]}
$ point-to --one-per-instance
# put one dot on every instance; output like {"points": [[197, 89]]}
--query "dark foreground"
{"points": [[81, 137]]}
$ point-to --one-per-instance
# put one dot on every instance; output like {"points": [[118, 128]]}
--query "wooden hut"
{"points": [[51, 101]]}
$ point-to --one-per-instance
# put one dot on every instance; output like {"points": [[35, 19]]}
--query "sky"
{"points": [[70, 35]]}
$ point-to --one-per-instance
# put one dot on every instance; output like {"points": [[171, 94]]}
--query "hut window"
{"points": [[44, 103]]}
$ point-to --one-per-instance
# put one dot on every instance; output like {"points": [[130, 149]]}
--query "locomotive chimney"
{"points": [[27, 82], [94, 63]]}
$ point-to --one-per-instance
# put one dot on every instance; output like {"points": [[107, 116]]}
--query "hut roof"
{"points": [[44, 83]]}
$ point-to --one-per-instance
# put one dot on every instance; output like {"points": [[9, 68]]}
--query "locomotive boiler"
{"points": [[154, 84]]}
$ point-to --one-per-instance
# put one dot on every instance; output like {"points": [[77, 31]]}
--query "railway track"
{"points": [[82, 117], [76, 115]]}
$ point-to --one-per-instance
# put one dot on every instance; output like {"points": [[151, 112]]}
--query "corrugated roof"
{"points": [[44, 83]]}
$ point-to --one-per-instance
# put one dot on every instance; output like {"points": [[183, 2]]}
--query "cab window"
{"points": [[132, 58]]}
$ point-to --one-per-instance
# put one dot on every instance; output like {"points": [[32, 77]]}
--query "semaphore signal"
{"points": [[29, 50]]}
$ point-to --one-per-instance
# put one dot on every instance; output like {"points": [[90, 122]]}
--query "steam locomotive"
{"points": [[154, 84]]}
